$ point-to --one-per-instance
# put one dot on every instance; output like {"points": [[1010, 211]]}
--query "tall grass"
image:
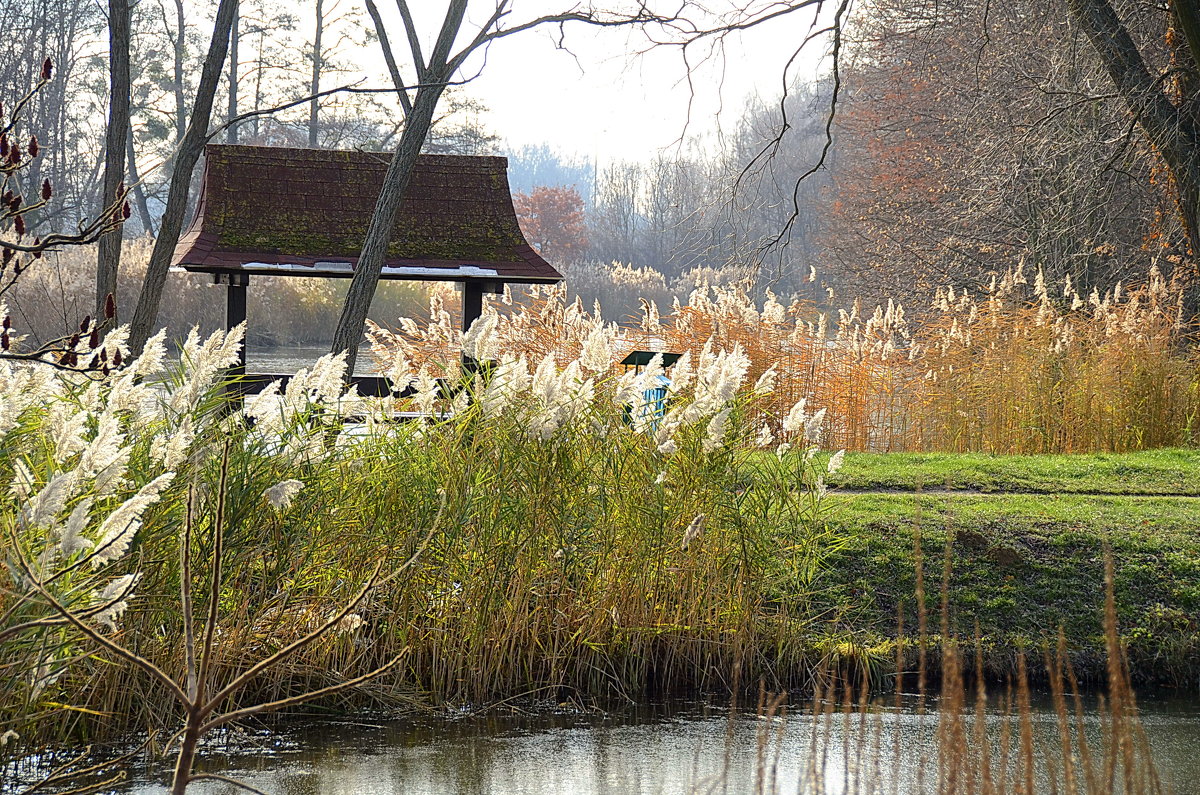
{"points": [[585, 546], [965, 751], [1020, 368]]}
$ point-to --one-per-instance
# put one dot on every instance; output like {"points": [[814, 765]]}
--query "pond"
{"points": [[651, 748], [289, 359]]}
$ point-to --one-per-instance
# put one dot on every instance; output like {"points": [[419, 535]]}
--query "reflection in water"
{"points": [[648, 749], [289, 359]]}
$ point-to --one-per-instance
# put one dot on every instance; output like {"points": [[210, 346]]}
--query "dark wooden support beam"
{"points": [[236, 286], [472, 303], [472, 310]]}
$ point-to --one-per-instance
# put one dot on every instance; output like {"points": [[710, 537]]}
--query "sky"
{"points": [[599, 100]]}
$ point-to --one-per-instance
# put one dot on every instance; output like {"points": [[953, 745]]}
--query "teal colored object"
{"points": [[655, 398]]}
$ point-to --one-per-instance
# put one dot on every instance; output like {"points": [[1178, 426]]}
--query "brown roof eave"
{"points": [[311, 206]]}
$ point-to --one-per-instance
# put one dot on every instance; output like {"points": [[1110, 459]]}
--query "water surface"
{"points": [[289, 359], [661, 748]]}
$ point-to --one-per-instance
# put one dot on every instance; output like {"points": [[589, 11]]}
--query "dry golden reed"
{"points": [[1019, 368]]}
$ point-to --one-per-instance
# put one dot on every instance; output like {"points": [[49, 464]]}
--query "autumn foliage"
{"points": [[552, 221]]}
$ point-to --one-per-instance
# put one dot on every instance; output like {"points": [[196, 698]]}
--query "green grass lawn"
{"points": [[1151, 472], [1024, 564]]}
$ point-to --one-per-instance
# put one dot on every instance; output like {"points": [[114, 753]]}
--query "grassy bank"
{"points": [[1023, 564], [1162, 472]]}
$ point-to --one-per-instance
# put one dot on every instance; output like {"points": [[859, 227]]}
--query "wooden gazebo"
{"points": [[274, 211]]}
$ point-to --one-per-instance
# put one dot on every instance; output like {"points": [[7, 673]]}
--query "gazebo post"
{"points": [[472, 303], [235, 308], [472, 310]]}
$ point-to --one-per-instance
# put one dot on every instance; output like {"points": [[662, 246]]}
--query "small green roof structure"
{"points": [[279, 211]]}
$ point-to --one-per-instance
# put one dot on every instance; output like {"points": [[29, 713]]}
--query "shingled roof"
{"points": [[283, 211]]}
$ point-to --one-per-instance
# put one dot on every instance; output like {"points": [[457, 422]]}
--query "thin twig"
{"points": [[214, 594], [150, 668], [185, 594], [311, 695], [225, 780]]}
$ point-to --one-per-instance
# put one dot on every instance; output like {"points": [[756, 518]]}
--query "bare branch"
{"points": [[15, 114], [137, 660], [414, 40], [312, 695], [293, 647], [214, 592], [89, 612], [63, 773], [388, 56], [89, 789], [233, 782], [593, 18], [784, 235], [373, 582], [185, 595]]}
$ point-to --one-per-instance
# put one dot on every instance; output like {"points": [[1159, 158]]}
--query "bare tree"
{"points": [[231, 135], [314, 86], [681, 24], [178, 63], [266, 27], [1169, 122], [190, 149], [108, 255], [65, 31], [967, 146]]}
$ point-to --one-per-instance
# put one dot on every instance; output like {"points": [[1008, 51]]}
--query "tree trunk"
{"points": [[231, 135], [350, 325], [180, 42], [189, 152], [108, 254], [433, 78], [314, 106], [259, 68], [139, 193], [1172, 132], [1188, 17], [188, 744], [1186, 46]]}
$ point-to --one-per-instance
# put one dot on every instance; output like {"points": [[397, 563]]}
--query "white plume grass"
{"points": [[119, 529]]}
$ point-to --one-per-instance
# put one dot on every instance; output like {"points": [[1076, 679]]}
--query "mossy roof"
{"points": [[278, 210]]}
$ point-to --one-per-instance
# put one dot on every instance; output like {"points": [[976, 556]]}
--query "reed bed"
{"points": [[566, 538], [1018, 368], [569, 541]]}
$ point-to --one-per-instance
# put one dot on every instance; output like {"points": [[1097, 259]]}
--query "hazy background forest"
{"points": [[968, 138]]}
